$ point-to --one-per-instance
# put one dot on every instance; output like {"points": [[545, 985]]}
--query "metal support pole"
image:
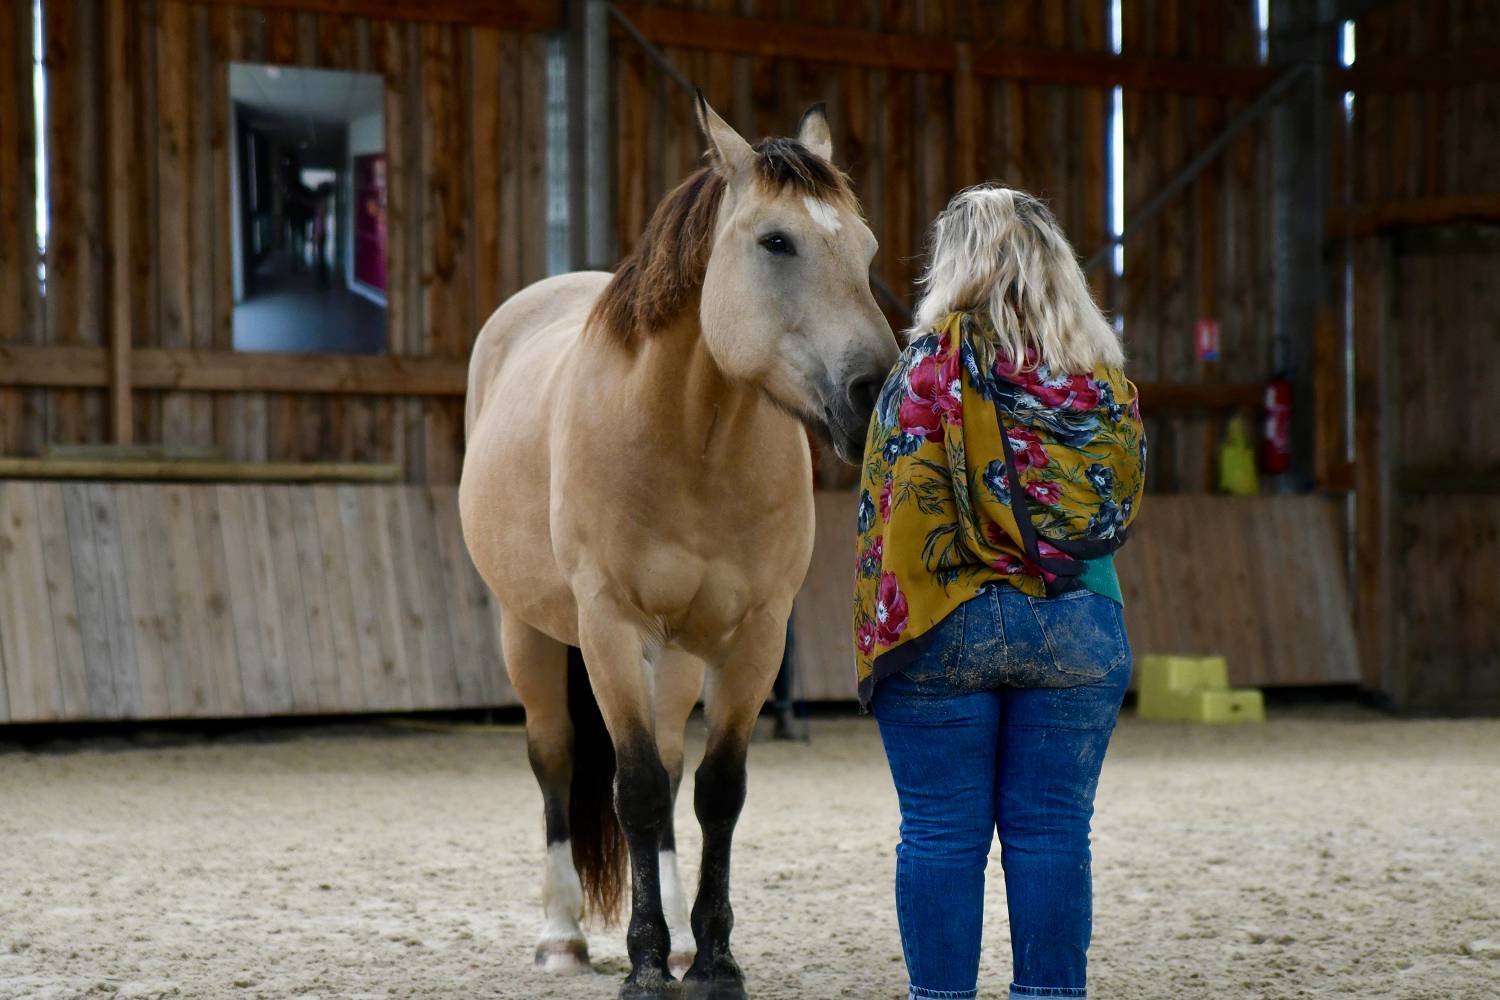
{"points": [[1297, 214], [600, 248]]}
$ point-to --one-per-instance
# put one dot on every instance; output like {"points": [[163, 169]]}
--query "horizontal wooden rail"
{"points": [[1455, 68], [928, 54], [198, 471], [516, 15], [75, 366], [1448, 480], [82, 367], [1220, 398], [1368, 219]]}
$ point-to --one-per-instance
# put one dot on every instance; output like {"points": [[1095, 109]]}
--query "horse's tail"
{"points": [[599, 852]]}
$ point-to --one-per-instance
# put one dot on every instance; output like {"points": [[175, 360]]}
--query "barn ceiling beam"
{"points": [[515, 15], [1367, 219], [917, 53]]}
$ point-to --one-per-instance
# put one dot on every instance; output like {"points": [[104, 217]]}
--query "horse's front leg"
{"points": [[736, 690], [614, 649]]}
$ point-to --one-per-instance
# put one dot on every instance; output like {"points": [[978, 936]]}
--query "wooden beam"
{"points": [[1444, 70], [513, 15], [928, 54], [1360, 220], [197, 471], [1157, 397], [76, 366], [1328, 401], [1374, 515], [119, 259], [82, 367]]}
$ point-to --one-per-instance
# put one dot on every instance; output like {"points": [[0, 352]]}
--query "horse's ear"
{"points": [[730, 150], [814, 133]]}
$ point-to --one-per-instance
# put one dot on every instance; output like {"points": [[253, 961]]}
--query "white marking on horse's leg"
{"points": [[674, 907], [562, 947], [822, 213]]}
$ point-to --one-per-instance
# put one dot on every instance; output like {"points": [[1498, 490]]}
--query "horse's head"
{"points": [[786, 300]]}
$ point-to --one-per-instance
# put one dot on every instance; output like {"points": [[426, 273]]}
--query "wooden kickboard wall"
{"points": [[156, 601]]}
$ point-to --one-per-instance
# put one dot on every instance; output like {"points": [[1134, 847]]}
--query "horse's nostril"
{"points": [[862, 393]]}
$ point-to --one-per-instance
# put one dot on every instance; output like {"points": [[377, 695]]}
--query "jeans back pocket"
{"points": [[1084, 632]]}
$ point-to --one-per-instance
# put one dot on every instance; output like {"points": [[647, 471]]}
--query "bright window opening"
{"points": [[39, 100]]}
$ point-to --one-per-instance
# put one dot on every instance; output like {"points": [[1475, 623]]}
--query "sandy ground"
{"points": [[1327, 854]]}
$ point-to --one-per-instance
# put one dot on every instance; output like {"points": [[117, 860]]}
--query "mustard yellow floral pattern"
{"points": [[979, 470]]}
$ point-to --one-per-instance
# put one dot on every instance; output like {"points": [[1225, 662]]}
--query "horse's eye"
{"points": [[779, 244]]}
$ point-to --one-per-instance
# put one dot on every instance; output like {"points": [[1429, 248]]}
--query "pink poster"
{"points": [[369, 220]]}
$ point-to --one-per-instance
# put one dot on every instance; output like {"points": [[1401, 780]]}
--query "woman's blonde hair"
{"points": [[999, 251]]}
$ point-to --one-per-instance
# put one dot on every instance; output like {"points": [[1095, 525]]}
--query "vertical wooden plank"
{"points": [[508, 97], [120, 60], [65, 241], [307, 541], [350, 655], [444, 229], [428, 578], [180, 599], [93, 536], [175, 44], [1093, 140], [277, 634], [369, 582], [229, 648], [62, 600], [290, 586], [473, 616], [484, 158], [142, 618], [384, 537], [28, 656], [257, 680], [1375, 609]]}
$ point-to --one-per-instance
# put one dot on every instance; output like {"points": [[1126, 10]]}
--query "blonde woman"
{"points": [[1002, 469]]}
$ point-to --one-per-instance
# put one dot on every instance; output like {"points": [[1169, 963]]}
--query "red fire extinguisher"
{"points": [[1276, 444]]}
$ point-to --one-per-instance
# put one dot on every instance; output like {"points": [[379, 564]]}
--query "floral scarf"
{"points": [[980, 470]]}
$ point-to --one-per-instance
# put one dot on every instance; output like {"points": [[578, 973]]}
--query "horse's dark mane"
{"points": [[658, 278]]}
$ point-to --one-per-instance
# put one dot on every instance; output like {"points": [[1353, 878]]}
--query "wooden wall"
{"points": [[139, 245], [1417, 174], [155, 601], [910, 138]]}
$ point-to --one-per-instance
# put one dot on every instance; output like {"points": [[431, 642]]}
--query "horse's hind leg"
{"points": [[678, 683], [538, 669]]}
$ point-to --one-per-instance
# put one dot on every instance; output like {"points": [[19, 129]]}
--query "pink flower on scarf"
{"points": [[890, 610]]}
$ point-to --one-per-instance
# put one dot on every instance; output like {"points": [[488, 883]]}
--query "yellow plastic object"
{"points": [[1194, 689], [1237, 461]]}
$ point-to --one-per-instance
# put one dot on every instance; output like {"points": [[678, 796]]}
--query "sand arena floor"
{"points": [[1330, 853]]}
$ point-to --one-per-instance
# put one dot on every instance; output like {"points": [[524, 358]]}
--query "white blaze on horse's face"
{"points": [[786, 295]]}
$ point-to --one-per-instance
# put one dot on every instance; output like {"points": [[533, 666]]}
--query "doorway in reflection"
{"points": [[308, 183]]}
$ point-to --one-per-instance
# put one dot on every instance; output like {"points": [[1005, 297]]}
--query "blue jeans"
{"points": [[1001, 723]]}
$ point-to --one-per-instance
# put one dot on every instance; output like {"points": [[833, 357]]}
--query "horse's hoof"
{"points": [[679, 962], [714, 989], [652, 986], [717, 978], [568, 957]]}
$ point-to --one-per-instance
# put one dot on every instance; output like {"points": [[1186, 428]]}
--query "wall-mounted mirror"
{"points": [[308, 190]]}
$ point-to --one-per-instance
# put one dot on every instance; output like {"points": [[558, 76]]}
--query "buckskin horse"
{"points": [[637, 488]]}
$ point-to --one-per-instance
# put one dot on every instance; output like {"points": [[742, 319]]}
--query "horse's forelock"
{"points": [[658, 278]]}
